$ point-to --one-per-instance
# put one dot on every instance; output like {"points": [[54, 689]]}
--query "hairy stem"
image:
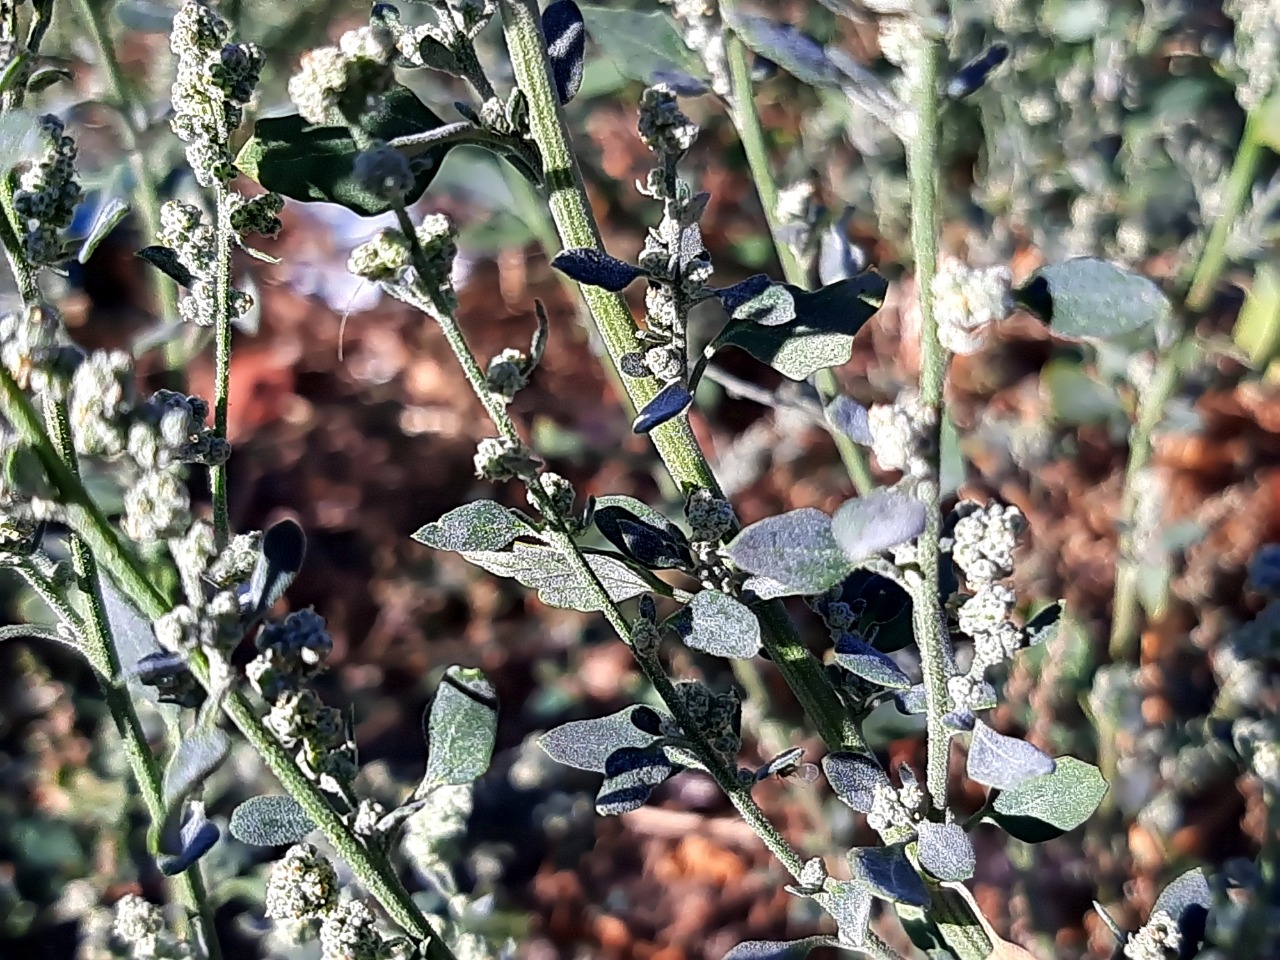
{"points": [[676, 444], [928, 619], [221, 360]]}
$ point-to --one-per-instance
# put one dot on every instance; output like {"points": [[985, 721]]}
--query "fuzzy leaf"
{"points": [[838, 259], [639, 44], [772, 307], [180, 846], [479, 525], [722, 626], [669, 402], [557, 583], [657, 545], [587, 744], [854, 654], [854, 777], [596, 268], [946, 851], [1043, 627], [1047, 806], [779, 949], [284, 547], [732, 298], [1004, 762], [270, 821], [1187, 899], [35, 631], [850, 906], [166, 261], [306, 162], [1091, 299], [869, 525], [107, 218], [566, 46], [196, 756], [889, 874], [796, 549], [461, 729], [850, 418], [821, 335], [799, 55], [630, 774]]}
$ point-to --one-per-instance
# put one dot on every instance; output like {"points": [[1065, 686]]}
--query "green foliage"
{"points": [[461, 728], [270, 821], [1091, 299], [1049, 805]]}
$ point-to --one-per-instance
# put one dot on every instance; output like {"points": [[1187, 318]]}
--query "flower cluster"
{"points": [[501, 458], [139, 926], [1257, 48], [1159, 939], [902, 434], [335, 85], [302, 885], [717, 718], [896, 812], [35, 351], [186, 231], [215, 80], [710, 519], [47, 193], [704, 33], [966, 301], [389, 255]]}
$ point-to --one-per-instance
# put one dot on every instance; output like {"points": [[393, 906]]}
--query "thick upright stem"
{"points": [[675, 441], [221, 360], [929, 623]]}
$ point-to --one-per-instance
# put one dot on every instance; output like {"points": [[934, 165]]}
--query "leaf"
{"points": [[1004, 762], [1076, 398], [945, 850], [669, 402], [889, 874], [838, 259], [631, 773], [558, 584], [854, 654], [179, 847], [107, 218], [284, 547], [855, 778], [958, 929], [166, 261], [722, 626], [772, 307], [799, 55], [850, 906], [882, 519], [796, 549], [19, 139], [641, 45], [1257, 330], [132, 633], [779, 949], [850, 418], [479, 525], [1043, 627], [657, 545], [306, 162], [566, 46], [821, 335], [1188, 900], [733, 297], [45, 77], [596, 268], [273, 821], [461, 729], [587, 744], [1046, 807], [35, 631], [195, 757], [970, 78], [1091, 299]]}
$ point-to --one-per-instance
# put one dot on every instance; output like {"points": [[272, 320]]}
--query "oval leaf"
{"points": [[796, 549], [596, 268], [1091, 299], [1004, 762], [657, 545], [783, 44], [480, 525], [669, 402], [461, 728], [196, 756], [869, 525], [889, 874], [946, 851], [274, 821], [863, 660], [855, 778], [1187, 899], [588, 744], [631, 773], [722, 626], [850, 418], [566, 36], [1046, 807]]}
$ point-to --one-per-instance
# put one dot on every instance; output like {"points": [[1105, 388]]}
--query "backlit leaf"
{"points": [[889, 874], [722, 626], [587, 744], [1047, 806], [1004, 762], [945, 850], [461, 729], [1091, 299], [869, 525], [479, 525], [796, 549]]}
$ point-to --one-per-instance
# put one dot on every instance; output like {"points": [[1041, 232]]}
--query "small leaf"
{"points": [[166, 261], [13, 68], [558, 584], [882, 519], [838, 259], [821, 335], [195, 757], [1004, 762], [669, 402], [1043, 627], [1047, 806], [284, 547], [1187, 899], [732, 298], [722, 626], [779, 949], [461, 729], [306, 162], [566, 46], [1091, 299], [179, 847], [657, 545], [108, 217], [631, 773], [587, 744], [479, 525], [639, 44], [850, 418], [796, 549], [945, 850], [850, 906], [773, 307], [889, 874], [596, 268], [273, 821], [855, 778], [970, 78], [854, 654], [799, 55]]}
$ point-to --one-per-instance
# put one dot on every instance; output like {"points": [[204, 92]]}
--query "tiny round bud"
{"points": [[302, 885]]}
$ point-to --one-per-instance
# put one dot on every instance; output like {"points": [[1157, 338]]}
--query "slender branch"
{"points": [[221, 359], [676, 444]]}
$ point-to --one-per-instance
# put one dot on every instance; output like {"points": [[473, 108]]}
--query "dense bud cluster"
{"points": [[502, 458], [1159, 939], [966, 301], [47, 193], [139, 926], [334, 84], [902, 434], [187, 231], [302, 885], [350, 932]]}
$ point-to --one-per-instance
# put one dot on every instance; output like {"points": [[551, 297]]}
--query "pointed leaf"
{"points": [[270, 821], [657, 545], [1004, 762], [889, 874], [596, 268], [863, 660], [461, 729], [874, 523], [800, 55], [1091, 299], [855, 778], [194, 758], [722, 626], [110, 213], [480, 525], [669, 402], [946, 851], [640, 45], [558, 584], [1047, 806], [566, 46], [180, 847], [796, 549], [166, 261], [587, 744]]}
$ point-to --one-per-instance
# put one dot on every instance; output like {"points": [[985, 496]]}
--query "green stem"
{"points": [[613, 322], [742, 110], [221, 360], [929, 622]]}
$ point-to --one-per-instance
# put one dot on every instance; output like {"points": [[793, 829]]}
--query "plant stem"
{"points": [[742, 110], [221, 360], [928, 619], [613, 322], [1125, 608]]}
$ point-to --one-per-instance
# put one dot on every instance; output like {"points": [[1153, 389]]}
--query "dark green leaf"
{"points": [[461, 729], [722, 626], [889, 874], [479, 525], [566, 46], [1043, 627], [946, 851], [1091, 299], [166, 261], [863, 660], [657, 544], [587, 744], [1004, 762], [284, 547], [795, 549], [273, 821], [882, 519], [1047, 806], [671, 401], [307, 162]]}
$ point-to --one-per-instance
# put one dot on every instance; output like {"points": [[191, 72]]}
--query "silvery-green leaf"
{"points": [[640, 44], [799, 55], [180, 846], [1188, 900], [110, 213], [480, 525], [911, 701], [889, 874], [722, 626], [855, 778], [863, 660], [779, 949], [131, 632], [838, 259], [630, 775], [194, 758], [596, 268], [772, 307], [654, 543], [669, 402], [850, 418], [796, 549], [1047, 806], [732, 298], [558, 584], [850, 906], [270, 821], [869, 525], [566, 38], [587, 744], [461, 729], [946, 851], [1004, 762], [1087, 298]]}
